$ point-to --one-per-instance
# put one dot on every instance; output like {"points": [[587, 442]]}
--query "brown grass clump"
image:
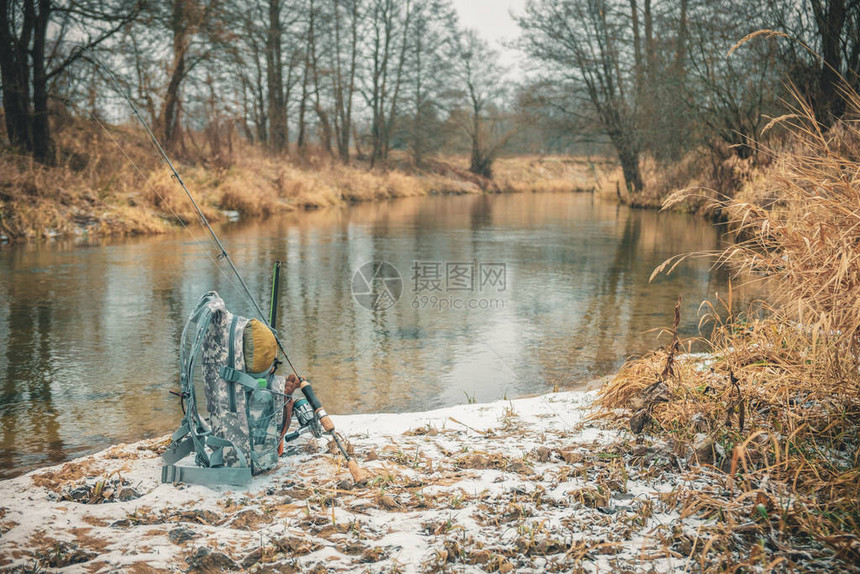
{"points": [[404, 185], [71, 471], [715, 172], [248, 194], [775, 413]]}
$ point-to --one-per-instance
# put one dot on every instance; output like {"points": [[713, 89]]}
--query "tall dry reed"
{"points": [[775, 413]]}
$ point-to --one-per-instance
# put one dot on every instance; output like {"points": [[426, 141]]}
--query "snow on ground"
{"points": [[527, 485]]}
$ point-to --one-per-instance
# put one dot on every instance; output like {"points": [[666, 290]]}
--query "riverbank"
{"points": [[774, 412], [528, 485], [101, 188]]}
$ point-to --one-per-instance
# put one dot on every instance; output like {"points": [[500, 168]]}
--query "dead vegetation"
{"points": [[108, 180], [774, 414], [548, 494], [111, 489], [716, 171], [71, 471], [556, 174]]}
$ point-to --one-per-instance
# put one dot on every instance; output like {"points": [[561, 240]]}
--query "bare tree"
{"points": [[389, 22], [482, 88], [428, 77], [831, 31], [197, 31], [730, 97], [249, 68], [309, 38], [34, 49], [586, 45], [346, 26], [275, 78]]}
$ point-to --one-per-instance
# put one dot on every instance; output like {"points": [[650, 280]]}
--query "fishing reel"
{"points": [[307, 418]]}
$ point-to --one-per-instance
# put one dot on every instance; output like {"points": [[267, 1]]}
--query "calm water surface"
{"points": [[89, 333]]}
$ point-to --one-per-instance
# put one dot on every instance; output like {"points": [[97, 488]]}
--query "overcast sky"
{"points": [[492, 19]]}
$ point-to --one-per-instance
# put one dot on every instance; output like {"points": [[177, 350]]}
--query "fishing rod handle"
{"points": [[323, 417], [291, 436], [359, 475]]}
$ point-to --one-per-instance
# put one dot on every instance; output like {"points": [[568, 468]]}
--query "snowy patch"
{"points": [[526, 485]]}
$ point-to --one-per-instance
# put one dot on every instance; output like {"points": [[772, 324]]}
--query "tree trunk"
{"points": [[380, 75], [143, 84], [637, 49], [301, 141], [344, 89], [275, 79], [169, 117], [247, 113], [337, 85], [20, 110], [681, 49], [650, 48], [628, 156], [288, 89], [392, 113], [347, 121], [357, 140], [261, 114], [325, 124], [830, 20], [42, 145], [481, 162], [24, 75], [415, 140], [14, 70], [170, 109]]}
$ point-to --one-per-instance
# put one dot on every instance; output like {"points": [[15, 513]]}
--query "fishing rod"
{"points": [[222, 251], [325, 421]]}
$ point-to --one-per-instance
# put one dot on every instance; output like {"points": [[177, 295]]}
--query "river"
{"points": [[499, 296]]}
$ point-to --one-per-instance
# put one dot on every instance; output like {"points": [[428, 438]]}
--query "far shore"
{"points": [[115, 198]]}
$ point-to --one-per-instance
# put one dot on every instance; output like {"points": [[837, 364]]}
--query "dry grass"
{"points": [[108, 180], [715, 172], [777, 412], [712, 173], [556, 174]]}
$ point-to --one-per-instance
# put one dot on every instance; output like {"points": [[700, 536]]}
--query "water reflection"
{"points": [[89, 333]]}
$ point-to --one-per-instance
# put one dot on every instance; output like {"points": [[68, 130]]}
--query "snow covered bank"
{"points": [[523, 485]]}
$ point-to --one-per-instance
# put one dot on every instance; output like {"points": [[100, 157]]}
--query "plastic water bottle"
{"points": [[260, 413]]}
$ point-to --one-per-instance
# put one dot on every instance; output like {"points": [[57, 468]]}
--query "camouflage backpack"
{"points": [[245, 407]]}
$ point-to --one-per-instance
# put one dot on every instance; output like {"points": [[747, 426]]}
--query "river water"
{"points": [[499, 296]]}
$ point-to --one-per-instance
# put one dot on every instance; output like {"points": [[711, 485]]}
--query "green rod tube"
{"points": [[273, 310]]}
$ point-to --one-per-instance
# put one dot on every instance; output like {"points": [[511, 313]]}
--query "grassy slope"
{"points": [[110, 181]]}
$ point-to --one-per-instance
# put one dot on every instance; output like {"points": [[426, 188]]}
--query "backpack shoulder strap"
{"points": [[235, 376]]}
